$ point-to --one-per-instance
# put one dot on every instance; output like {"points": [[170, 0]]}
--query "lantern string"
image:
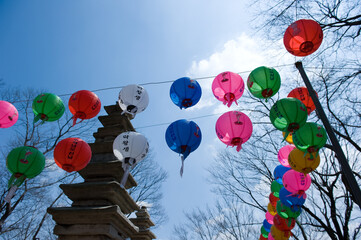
{"points": [[155, 83]]}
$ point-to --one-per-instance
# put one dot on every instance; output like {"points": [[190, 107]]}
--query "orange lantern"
{"points": [[303, 37], [72, 154], [84, 104]]}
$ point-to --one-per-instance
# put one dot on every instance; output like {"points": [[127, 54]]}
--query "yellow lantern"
{"points": [[280, 235], [303, 162], [272, 209]]}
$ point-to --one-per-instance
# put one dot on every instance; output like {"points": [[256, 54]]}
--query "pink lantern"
{"points": [[234, 128], [269, 217], [228, 87], [270, 237], [283, 155], [296, 182], [8, 114]]}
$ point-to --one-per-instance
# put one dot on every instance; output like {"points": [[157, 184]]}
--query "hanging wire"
{"points": [[153, 83], [197, 78]]}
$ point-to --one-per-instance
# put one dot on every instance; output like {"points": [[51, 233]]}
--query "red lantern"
{"points": [[284, 224], [72, 154], [84, 104], [302, 94], [303, 37], [273, 199], [261, 237]]}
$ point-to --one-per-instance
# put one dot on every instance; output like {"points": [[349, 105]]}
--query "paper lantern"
{"points": [[48, 107], [284, 224], [228, 87], [288, 138], [130, 148], [185, 92], [286, 212], [310, 138], [72, 154], [234, 128], [267, 225], [283, 154], [84, 104], [292, 200], [264, 232], [302, 162], [8, 114], [288, 115], [24, 162], [272, 199], [183, 137], [280, 235], [261, 237], [269, 217], [133, 99], [303, 37], [302, 94], [296, 182], [264, 82], [275, 188], [270, 236], [279, 171], [271, 209]]}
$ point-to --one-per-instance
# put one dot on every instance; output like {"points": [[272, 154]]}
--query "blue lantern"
{"points": [[183, 137], [267, 226], [185, 92], [292, 200], [278, 173]]}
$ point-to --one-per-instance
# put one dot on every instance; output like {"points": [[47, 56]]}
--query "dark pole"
{"points": [[345, 167]]}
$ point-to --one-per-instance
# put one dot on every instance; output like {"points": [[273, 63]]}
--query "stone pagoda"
{"points": [[100, 205]]}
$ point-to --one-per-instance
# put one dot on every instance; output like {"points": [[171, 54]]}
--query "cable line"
{"points": [[152, 83]]}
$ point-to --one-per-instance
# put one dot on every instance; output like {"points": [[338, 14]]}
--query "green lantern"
{"points": [[48, 107], [24, 162], [264, 232], [286, 212], [288, 115], [310, 138], [264, 82], [276, 188]]}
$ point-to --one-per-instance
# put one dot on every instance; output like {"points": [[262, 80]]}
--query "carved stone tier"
{"points": [[143, 222], [111, 171], [87, 232], [100, 203], [83, 194], [82, 218]]}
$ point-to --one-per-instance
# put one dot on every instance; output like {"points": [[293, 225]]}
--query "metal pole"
{"points": [[345, 167]]}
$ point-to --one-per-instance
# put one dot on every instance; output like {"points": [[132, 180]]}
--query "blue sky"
{"points": [[66, 46]]}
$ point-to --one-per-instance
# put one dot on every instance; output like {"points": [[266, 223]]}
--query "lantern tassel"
{"points": [[75, 118], [311, 156], [286, 135], [125, 175], [182, 167], [239, 147], [10, 194], [37, 118]]}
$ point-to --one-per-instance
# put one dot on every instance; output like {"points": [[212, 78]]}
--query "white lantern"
{"points": [[130, 148], [133, 99]]}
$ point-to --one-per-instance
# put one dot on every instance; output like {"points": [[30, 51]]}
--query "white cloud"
{"points": [[240, 55]]}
